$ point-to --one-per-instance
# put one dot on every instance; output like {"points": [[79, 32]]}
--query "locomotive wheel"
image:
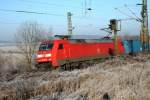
{"points": [[44, 67], [78, 65], [65, 67]]}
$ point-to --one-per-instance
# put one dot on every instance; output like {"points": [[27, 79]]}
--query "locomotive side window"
{"points": [[61, 46], [46, 46]]}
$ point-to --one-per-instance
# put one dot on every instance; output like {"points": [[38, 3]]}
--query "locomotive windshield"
{"points": [[46, 46]]}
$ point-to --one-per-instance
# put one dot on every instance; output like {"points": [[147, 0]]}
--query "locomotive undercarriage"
{"points": [[44, 66], [71, 65], [81, 64]]}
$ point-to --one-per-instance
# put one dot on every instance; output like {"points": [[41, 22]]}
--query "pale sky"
{"points": [[88, 23]]}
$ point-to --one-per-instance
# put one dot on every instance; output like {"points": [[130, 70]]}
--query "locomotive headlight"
{"points": [[48, 55], [39, 56]]}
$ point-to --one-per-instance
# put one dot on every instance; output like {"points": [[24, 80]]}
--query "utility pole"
{"points": [[144, 35], [114, 27], [69, 23]]}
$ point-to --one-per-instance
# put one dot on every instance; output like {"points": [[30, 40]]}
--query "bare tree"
{"points": [[48, 35], [28, 37]]}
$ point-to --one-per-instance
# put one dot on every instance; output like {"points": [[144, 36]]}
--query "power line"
{"points": [[57, 5], [127, 15], [29, 12], [132, 13], [127, 19], [123, 12], [131, 5], [42, 13]]}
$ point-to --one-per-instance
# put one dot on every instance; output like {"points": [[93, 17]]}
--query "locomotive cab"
{"points": [[45, 52], [51, 52]]}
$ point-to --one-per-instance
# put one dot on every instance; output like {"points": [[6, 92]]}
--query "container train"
{"points": [[59, 52]]}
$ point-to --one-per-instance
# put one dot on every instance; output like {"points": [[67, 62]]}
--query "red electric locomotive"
{"points": [[60, 52]]}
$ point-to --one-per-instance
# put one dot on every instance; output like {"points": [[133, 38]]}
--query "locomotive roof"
{"points": [[81, 37]]}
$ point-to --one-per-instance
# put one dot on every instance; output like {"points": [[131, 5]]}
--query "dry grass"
{"points": [[11, 62], [121, 79]]}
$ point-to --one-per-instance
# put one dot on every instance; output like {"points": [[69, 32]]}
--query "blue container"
{"points": [[132, 46], [126, 46]]}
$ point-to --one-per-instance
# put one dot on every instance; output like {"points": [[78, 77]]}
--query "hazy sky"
{"points": [[84, 23]]}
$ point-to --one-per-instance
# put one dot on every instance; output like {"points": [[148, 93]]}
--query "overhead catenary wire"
{"points": [[126, 19], [42, 13], [127, 15], [83, 6], [29, 12], [87, 6], [132, 12], [123, 13], [131, 5]]}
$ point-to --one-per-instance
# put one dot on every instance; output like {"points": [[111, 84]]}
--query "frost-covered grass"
{"points": [[121, 79]]}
